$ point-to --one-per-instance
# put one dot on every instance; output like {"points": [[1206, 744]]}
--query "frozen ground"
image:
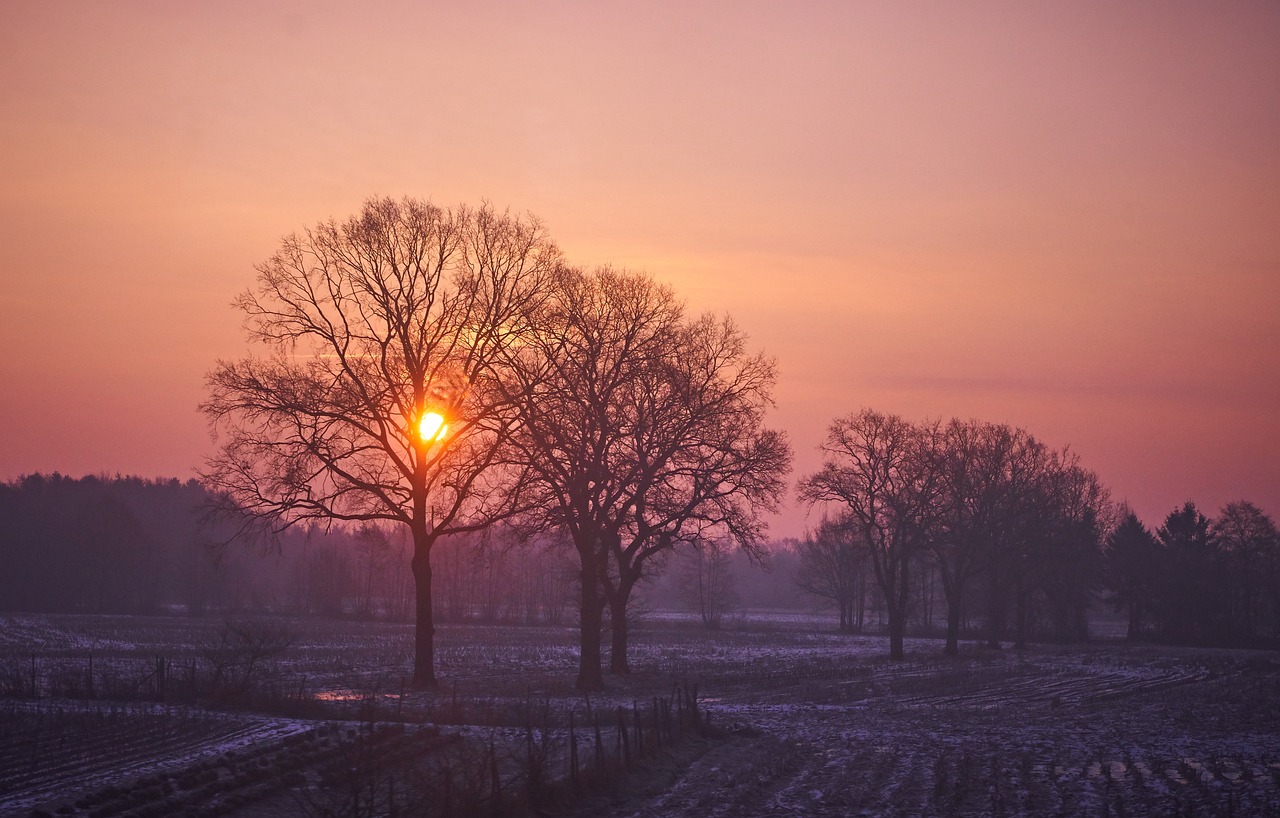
{"points": [[813, 723]]}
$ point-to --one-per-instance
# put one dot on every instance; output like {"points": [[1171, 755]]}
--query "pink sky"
{"points": [[1060, 216]]}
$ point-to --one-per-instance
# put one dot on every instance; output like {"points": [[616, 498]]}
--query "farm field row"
{"points": [[808, 722]]}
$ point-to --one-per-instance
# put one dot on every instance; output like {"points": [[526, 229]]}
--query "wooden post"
{"points": [[635, 711], [573, 753], [622, 736], [657, 724], [497, 780], [599, 754]]}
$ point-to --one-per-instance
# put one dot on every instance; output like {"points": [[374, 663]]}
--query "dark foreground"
{"points": [[124, 716]]}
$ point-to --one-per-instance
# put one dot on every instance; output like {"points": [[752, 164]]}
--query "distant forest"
{"points": [[127, 545]]}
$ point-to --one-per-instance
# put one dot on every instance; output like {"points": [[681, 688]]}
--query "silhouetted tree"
{"points": [[374, 327], [989, 477], [644, 431], [832, 566], [1249, 546], [1077, 513], [881, 472], [707, 466], [1132, 559], [705, 579], [1189, 602]]}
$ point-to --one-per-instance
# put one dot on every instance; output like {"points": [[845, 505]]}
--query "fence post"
{"points": [[622, 736], [657, 724], [635, 711], [599, 748], [497, 780], [573, 753]]}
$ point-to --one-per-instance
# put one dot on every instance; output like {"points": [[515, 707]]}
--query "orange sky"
{"points": [[1064, 216]]}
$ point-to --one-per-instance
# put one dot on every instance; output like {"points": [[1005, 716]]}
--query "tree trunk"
{"points": [[618, 631], [896, 604], [996, 610], [1135, 617], [590, 610], [1020, 630], [861, 615], [897, 627], [424, 671], [953, 624]]}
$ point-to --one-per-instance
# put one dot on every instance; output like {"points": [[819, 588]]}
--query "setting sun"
{"points": [[432, 427]]}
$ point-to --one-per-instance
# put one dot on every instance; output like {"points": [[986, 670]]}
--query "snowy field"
{"points": [[808, 722]]}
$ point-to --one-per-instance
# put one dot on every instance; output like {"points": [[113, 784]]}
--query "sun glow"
{"points": [[431, 427]]}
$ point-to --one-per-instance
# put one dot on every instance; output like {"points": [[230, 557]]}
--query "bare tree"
{"points": [[706, 465], [598, 332], [382, 395], [1076, 517], [990, 514], [1250, 545], [881, 472], [975, 461], [644, 431], [373, 550], [832, 566], [705, 580]]}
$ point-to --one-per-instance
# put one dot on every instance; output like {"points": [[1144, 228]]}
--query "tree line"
{"points": [[1193, 580], [1022, 536], [127, 545]]}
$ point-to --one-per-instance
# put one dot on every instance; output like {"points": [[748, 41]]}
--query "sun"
{"points": [[431, 427]]}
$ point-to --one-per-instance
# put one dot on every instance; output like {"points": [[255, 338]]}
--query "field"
{"points": [[770, 716]]}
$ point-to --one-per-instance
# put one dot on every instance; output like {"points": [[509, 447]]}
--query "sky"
{"points": [[1060, 216]]}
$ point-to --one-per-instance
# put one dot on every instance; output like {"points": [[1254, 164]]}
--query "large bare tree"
{"points": [[644, 431], [381, 392], [597, 332], [706, 466]]}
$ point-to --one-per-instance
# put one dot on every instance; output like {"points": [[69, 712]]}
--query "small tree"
{"points": [[832, 567], [705, 581]]}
